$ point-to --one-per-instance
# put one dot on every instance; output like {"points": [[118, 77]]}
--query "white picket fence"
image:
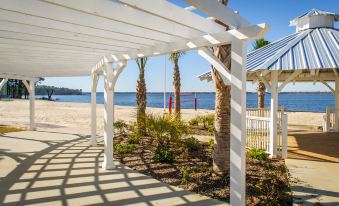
{"points": [[328, 120], [258, 130]]}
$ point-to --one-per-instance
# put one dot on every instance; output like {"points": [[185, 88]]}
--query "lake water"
{"points": [[310, 102]]}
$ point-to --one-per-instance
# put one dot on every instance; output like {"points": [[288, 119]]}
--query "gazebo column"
{"points": [[274, 114], [336, 105], [95, 77], [31, 90], [110, 78]]}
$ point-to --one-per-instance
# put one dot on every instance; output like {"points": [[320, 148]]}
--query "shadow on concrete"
{"points": [[311, 196], [314, 146], [68, 173]]}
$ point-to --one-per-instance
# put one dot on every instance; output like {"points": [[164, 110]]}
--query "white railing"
{"points": [[328, 120], [258, 130]]}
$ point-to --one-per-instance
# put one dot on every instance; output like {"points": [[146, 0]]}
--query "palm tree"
{"points": [[141, 96], [221, 156], [174, 57], [261, 88]]}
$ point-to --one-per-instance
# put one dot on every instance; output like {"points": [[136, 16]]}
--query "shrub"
{"points": [[163, 155], [208, 121], [121, 126], [185, 175], [211, 144], [259, 154], [124, 148], [192, 143], [166, 129], [134, 138], [194, 121]]}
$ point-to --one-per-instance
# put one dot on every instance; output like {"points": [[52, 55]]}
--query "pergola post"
{"points": [[31, 90], [3, 82], [110, 78], [93, 141], [32, 105], [274, 114], [238, 124], [336, 105]]}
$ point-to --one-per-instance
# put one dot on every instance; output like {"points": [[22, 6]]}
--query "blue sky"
{"points": [[277, 13]]}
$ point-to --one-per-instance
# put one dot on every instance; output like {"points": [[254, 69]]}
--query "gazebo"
{"points": [[311, 54], [56, 38]]}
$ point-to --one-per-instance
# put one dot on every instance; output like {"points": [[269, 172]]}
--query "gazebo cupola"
{"points": [[314, 19]]}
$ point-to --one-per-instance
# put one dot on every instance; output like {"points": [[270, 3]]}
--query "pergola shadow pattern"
{"points": [[68, 173]]}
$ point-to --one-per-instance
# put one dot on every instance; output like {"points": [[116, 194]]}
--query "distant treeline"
{"points": [[16, 89], [44, 90]]}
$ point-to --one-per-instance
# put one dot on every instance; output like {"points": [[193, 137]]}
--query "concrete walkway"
{"points": [[58, 168], [313, 162]]}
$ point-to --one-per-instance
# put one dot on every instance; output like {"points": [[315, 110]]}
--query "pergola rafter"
{"points": [[43, 38]]}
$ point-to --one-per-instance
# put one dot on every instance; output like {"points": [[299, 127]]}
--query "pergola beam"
{"points": [[176, 14], [289, 79], [328, 86], [216, 39], [219, 11], [19, 77], [220, 67]]}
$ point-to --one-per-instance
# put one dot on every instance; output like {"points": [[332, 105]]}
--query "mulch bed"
{"points": [[267, 181]]}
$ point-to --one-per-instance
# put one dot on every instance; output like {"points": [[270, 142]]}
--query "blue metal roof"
{"points": [[310, 49], [316, 48]]}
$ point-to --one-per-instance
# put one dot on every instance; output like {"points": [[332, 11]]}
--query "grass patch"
{"points": [[6, 129]]}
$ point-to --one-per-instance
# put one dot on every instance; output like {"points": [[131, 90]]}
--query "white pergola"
{"points": [[55, 38]]}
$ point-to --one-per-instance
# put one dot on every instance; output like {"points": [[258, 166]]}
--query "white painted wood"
{"points": [[127, 15], [284, 135], [274, 113], [238, 124], [103, 15], [219, 11], [110, 77], [213, 60], [93, 141], [208, 40], [31, 90], [3, 82], [176, 14], [336, 105], [328, 86], [16, 76], [288, 80], [327, 120]]}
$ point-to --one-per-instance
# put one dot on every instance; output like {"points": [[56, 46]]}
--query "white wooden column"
{"points": [[93, 141], [336, 105], [31, 90], [110, 77], [238, 124], [274, 114], [32, 105], [3, 82]]}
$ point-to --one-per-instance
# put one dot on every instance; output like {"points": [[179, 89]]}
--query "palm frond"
{"points": [[176, 56]]}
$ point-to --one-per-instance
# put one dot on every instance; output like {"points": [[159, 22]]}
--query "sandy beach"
{"points": [[59, 114]]}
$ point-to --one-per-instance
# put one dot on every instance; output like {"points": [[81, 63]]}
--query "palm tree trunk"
{"points": [[141, 102], [261, 95], [176, 83], [221, 156]]}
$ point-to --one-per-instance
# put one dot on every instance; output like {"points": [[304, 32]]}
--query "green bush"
{"points": [[185, 175], [194, 121], [163, 155], [211, 144], [121, 126], [166, 129], [133, 138], [192, 143], [207, 121], [124, 148], [259, 154]]}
